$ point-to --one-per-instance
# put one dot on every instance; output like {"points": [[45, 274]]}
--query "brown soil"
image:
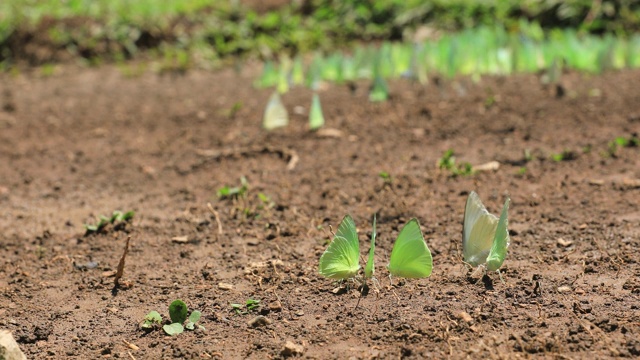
{"points": [[86, 142]]}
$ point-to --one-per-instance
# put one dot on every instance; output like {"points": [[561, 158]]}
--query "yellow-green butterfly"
{"points": [[485, 237], [410, 257], [341, 259]]}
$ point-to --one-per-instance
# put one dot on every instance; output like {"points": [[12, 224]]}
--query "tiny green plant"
{"points": [[227, 192], [178, 314], [565, 155], [385, 176], [448, 162], [622, 142], [118, 218], [248, 306], [151, 321]]}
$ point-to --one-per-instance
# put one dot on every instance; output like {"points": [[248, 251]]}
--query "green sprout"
{"points": [[178, 315], [228, 192], [118, 218], [448, 162], [152, 320], [249, 305], [385, 176], [565, 155], [622, 142]]}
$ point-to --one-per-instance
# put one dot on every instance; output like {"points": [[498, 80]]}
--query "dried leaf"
{"points": [[121, 263]]}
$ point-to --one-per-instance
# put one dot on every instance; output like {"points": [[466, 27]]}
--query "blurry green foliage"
{"points": [[206, 31]]}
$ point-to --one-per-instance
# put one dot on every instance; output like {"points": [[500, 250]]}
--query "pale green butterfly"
{"points": [[341, 259], [410, 257], [485, 238], [275, 114]]}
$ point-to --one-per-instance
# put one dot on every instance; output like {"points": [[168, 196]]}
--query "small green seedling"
{"points": [[118, 217], [151, 321], [448, 162], [233, 110], [249, 305], [565, 155], [193, 319], [622, 142], [178, 315], [385, 176], [227, 192]]}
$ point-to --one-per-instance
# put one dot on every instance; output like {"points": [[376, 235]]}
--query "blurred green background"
{"points": [[207, 33]]}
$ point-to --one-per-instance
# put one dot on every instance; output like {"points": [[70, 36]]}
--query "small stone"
{"points": [[564, 289], [291, 349], [490, 166], [9, 349], [225, 286], [465, 316], [275, 306], [180, 239], [329, 133], [631, 183], [259, 320], [564, 243], [299, 313]]}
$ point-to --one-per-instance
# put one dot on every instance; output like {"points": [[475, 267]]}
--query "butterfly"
{"points": [[485, 237], [341, 259], [410, 257]]}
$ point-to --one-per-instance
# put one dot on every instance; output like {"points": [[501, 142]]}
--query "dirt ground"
{"points": [[85, 142]]}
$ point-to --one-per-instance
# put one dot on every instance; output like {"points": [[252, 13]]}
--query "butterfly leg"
{"points": [[500, 274]]}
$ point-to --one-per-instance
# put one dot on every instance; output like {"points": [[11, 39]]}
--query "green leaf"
{"points": [[195, 316], [178, 311], [189, 325], [173, 329], [128, 215], [153, 316], [252, 304], [151, 320]]}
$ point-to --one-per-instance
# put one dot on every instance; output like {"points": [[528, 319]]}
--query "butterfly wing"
{"points": [[275, 114], [410, 257], [501, 241], [478, 231], [369, 269], [340, 260]]}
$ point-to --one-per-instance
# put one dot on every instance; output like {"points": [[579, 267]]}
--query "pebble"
{"points": [[290, 349], [275, 306], [225, 286]]}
